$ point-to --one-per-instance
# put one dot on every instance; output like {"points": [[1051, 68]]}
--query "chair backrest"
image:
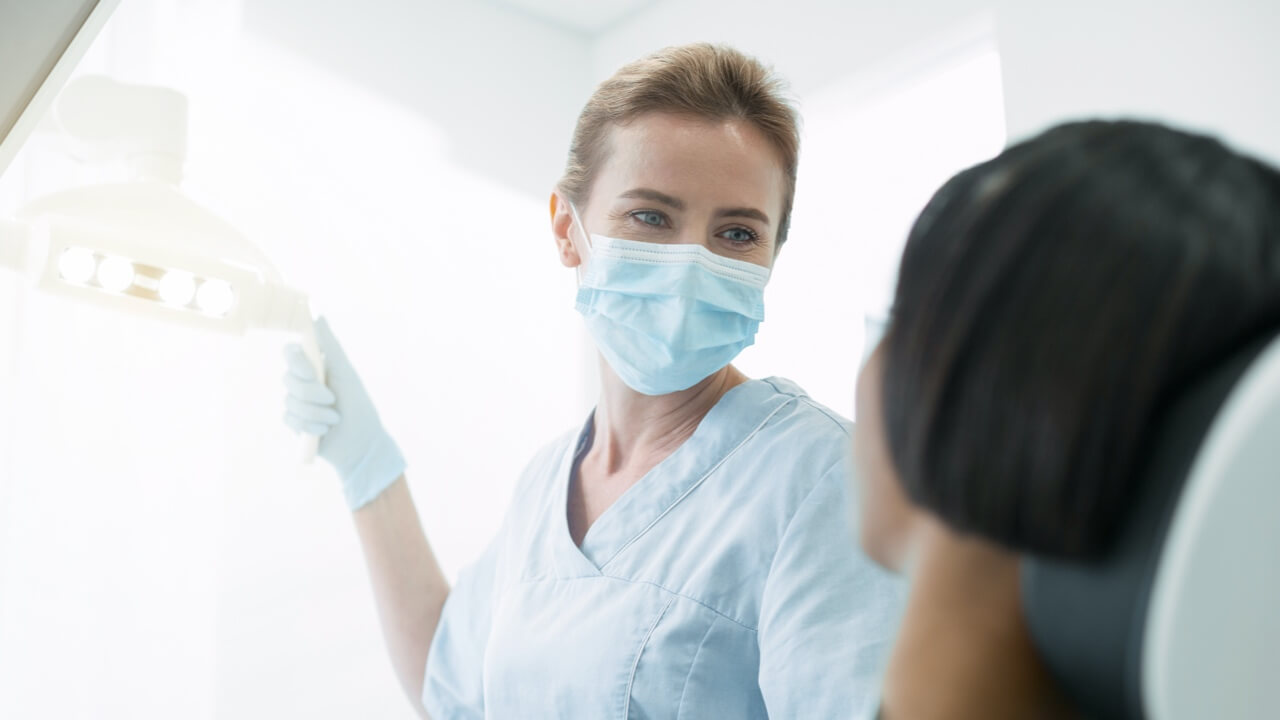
{"points": [[1181, 619]]}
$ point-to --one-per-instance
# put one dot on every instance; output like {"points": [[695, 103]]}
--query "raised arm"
{"points": [[408, 586]]}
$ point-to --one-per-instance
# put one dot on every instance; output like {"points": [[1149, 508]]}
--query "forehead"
{"points": [[728, 162]]}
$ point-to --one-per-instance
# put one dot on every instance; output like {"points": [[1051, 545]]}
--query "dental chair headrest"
{"points": [[1181, 620]]}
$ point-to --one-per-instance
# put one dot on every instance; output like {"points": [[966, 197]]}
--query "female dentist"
{"points": [[685, 553]]}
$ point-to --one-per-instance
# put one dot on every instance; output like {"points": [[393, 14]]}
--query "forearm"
{"points": [[408, 585]]}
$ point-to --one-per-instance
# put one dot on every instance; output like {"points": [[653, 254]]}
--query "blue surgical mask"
{"points": [[666, 316]]}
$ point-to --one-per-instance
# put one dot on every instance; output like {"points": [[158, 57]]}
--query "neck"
{"points": [[964, 650], [631, 426]]}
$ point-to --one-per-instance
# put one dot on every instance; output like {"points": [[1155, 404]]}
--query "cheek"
{"points": [[762, 255]]}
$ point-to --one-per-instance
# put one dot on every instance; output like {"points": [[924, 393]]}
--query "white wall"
{"points": [[1195, 63], [1212, 66]]}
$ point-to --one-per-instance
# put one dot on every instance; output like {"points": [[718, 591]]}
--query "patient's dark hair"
{"points": [[1049, 301]]}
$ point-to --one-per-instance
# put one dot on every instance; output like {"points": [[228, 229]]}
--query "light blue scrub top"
{"points": [[725, 584]]}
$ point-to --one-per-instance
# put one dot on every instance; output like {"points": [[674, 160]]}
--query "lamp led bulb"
{"points": [[215, 297], [115, 274], [177, 288], [77, 265]]}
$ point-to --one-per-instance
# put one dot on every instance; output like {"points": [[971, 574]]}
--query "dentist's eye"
{"points": [[741, 236], [650, 218]]}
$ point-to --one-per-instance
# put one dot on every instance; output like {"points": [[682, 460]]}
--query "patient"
{"points": [[1049, 301]]}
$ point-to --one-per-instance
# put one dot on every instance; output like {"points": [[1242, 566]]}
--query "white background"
{"points": [[162, 554]]}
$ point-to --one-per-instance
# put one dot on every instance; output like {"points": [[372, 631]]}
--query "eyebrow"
{"points": [[743, 212], [678, 204], [654, 195]]}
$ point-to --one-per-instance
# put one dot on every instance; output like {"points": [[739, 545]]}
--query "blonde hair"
{"points": [[704, 81]]}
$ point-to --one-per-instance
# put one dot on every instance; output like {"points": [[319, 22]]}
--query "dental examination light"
{"points": [[140, 246]]}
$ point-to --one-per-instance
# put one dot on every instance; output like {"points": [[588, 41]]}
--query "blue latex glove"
{"points": [[352, 438]]}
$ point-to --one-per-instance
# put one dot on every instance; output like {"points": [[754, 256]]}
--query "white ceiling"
{"points": [[589, 16]]}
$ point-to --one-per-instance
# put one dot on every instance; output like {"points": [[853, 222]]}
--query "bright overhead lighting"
{"points": [[115, 274], [177, 288], [77, 265], [215, 297]]}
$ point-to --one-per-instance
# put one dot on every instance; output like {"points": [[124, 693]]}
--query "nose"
{"points": [[691, 236]]}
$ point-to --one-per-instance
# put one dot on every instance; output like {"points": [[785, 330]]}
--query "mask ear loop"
{"points": [[584, 246]]}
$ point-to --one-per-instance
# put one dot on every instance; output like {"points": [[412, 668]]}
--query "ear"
{"points": [[562, 229]]}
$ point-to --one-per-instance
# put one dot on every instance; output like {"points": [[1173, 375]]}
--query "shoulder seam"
{"points": [[829, 414], [824, 410]]}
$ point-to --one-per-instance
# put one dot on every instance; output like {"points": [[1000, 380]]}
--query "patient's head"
{"points": [[1049, 301]]}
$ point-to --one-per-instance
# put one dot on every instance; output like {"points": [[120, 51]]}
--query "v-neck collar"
{"points": [[727, 426]]}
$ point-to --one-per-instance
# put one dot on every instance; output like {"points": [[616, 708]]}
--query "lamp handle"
{"points": [[311, 348]]}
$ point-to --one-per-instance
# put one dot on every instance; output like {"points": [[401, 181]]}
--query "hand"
{"points": [[342, 415]]}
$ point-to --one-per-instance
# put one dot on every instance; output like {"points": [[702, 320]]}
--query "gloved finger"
{"points": [[298, 362], [311, 413], [302, 426], [308, 390], [329, 345]]}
